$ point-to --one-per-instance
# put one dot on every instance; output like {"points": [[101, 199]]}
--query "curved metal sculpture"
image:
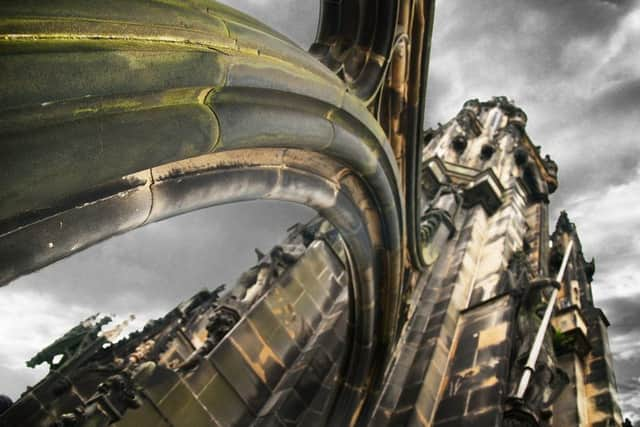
{"points": [[127, 113]]}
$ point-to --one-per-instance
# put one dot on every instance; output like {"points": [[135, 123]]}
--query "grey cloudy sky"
{"points": [[572, 65]]}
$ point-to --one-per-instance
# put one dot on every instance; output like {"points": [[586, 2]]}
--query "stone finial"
{"points": [[502, 101], [472, 105], [518, 116], [552, 167], [466, 120], [564, 225], [590, 269]]}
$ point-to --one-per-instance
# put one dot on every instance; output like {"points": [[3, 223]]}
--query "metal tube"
{"points": [[529, 367]]}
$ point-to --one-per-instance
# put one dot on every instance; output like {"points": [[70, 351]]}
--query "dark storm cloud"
{"points": [[609, 227], [622, 98], [623, 313], [529, 37], [628, 396], [607, 129], [588, 174], [626, 350]]}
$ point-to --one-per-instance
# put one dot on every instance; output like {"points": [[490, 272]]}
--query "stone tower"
{"points": [[582, 344], [486, 232]]}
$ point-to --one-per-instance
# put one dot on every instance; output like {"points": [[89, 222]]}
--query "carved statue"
{"points": [[74, 342]]}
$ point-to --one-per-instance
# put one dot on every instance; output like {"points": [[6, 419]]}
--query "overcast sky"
{"points": [[572, 65]]}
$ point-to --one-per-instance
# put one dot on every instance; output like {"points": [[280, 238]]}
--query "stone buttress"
{"points": [[581, 342], [472, 316]]}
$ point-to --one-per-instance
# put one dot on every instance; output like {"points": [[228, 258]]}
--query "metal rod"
{"points": [[529, 367]]}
